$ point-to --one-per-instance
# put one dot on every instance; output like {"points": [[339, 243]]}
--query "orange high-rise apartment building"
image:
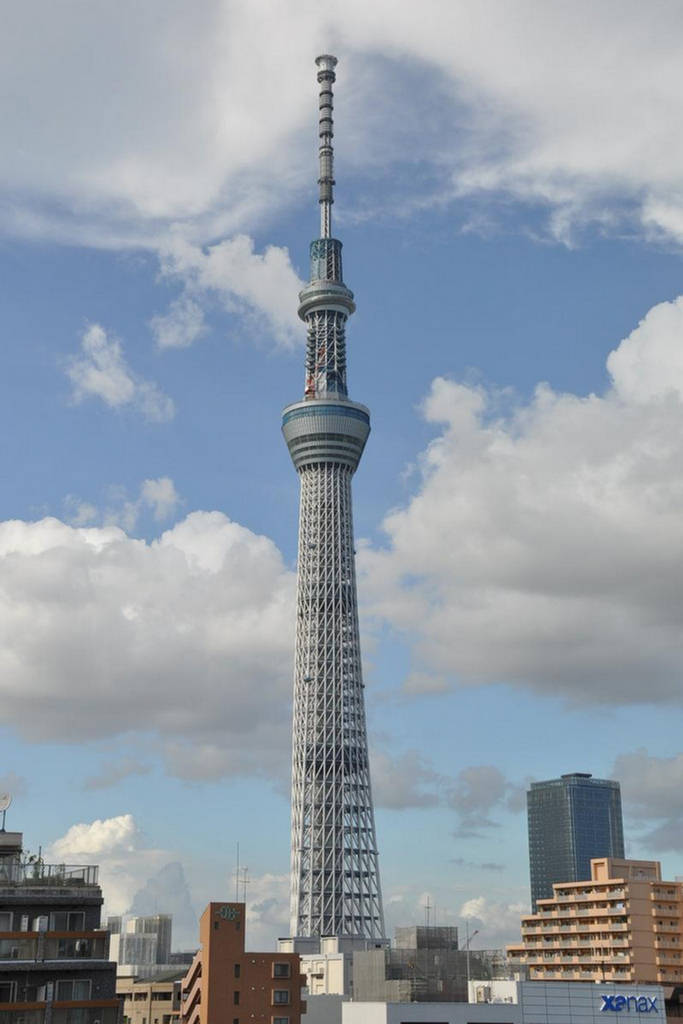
{"points": [[226, 985], [624, 924]]}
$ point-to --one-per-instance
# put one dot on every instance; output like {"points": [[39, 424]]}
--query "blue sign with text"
{"points": [[641, 1004]]}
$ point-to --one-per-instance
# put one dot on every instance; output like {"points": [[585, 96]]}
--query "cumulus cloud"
{"points": [[107, 634], [157, 496], [91, 839], [160, 496], [258, 286], [125, 861], [652, 789], [101, 371], [538, 547], [180, 326], [497, 922], [267, 909], [167, 892]]}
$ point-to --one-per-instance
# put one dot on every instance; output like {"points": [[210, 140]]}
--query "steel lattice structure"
{"points": [[335, 886]]}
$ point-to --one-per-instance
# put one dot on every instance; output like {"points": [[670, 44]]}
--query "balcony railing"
{"points": [[15, 1013], [37, 873], [80, 946]]}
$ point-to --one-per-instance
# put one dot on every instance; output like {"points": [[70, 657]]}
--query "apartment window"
{"points": [[7, 993], [67, 921], [280, 1020], [281, 970], [5, 921], [281, 995], [72, 990], [236, 997], [237, 970]]}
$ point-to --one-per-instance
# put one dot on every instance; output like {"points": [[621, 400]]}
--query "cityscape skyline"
{"points": [[513, 225]]}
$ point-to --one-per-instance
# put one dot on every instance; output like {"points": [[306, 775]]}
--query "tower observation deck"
{"points": [[335, 886]]}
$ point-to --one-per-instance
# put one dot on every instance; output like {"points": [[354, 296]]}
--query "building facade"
{"points": [[424, 964], [54, 962], [226, 985], [571, 820], [624, 925], [335, 885], [140, 940], [151, 1001], [525, 1003]]}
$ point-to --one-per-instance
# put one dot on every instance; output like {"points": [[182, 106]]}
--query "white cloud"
{"points": [[648, 365], [101, 371], [539, 547], [167, 891], [497, 922], [157, 496], [181, 326], [198, 119], [255, 285], [79, 513], [103, 836], [106, 634], [118, 847], [161, 496]]}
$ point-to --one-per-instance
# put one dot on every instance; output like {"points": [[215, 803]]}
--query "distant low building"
{"points": [[524, 1002], [151, 1001], [423, 965], [141, 940]]}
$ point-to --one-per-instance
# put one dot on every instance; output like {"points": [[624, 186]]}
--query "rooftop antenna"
{"points": [[5, 801], [237, 875], [428, 907], [326, 77], [245, 883]]}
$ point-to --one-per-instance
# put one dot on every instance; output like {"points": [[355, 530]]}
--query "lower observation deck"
{"points": [[326, 430]]}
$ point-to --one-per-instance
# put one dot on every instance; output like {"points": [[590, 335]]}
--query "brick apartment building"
{"points": [[226, 985]]}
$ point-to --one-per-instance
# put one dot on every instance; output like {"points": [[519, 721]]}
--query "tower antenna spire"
{"points": [[326, 77]]}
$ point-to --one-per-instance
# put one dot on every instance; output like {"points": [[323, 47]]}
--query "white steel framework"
{"points": [[335, 886]]}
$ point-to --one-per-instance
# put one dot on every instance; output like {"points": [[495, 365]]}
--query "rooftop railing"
{"points": [[38, 873]]}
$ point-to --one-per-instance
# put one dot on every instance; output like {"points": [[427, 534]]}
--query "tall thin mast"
{"points": [[326, 78]]}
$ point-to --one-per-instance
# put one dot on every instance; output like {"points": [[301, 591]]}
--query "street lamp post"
{"points": [[468, 939]]}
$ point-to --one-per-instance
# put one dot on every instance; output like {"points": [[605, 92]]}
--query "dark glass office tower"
{"points": [[571, 819]]}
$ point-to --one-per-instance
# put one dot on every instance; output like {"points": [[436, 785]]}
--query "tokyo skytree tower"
{"points": [[335, 887]]}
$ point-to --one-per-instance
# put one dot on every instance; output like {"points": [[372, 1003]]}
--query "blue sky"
{"points": [[508, 197]]}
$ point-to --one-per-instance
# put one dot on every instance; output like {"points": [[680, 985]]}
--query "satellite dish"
{"points": [[5, 801]]}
